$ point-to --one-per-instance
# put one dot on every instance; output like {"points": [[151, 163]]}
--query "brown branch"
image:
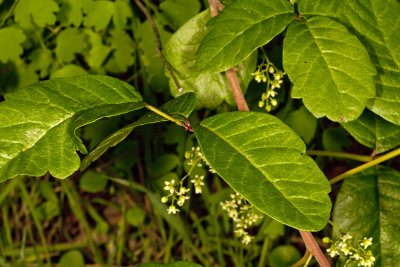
{"points": [[158, 43], [215, 7], [311, 244]]}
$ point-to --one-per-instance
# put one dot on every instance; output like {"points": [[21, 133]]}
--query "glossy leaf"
{"points": [[240, 29], [181, 106], [377, 25], [367, 206], [211, 88], [38, 122], [333, 76], [10, 44], [265, 161], [374, 132]]}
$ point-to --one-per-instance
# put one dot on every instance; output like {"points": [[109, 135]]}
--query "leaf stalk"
{"points": [[367, 165]]}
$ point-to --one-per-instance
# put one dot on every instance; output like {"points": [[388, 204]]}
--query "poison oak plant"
{"points": [[342, 59]]}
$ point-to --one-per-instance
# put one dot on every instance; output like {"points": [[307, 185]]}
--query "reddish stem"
{"points": [[311, 244]]}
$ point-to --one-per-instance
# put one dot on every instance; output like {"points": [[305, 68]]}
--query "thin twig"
{"points": [[311, 244], [158, 43]]}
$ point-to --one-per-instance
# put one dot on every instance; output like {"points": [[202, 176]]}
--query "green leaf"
{"points": [[40, 12], [211, 88], [99, 14], [71, 12], [329, 67], [374, 132], [38, 122], [70, 41], [163, 164], [240, 29], [93, 182], [283, 256], [367, 206], [41, 60], [124, 50], [72, 258], [376, 24], [135, 216], [98, 51], [335, 139], [177, 12], [303, 123], [182, 106], [10, 44], [265, 161], [69, 70]]}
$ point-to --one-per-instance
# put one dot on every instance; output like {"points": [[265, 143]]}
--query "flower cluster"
{"points": [[267, 73], [242, 214], [179, 192], [360, 255]]}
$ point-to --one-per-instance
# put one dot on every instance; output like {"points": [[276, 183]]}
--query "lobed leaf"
{"points": [[70, 41], [211, 88], [38, 122], [329, 67], [10, 44], [374, 132], [265, 161], [367, 206], [41, 12], [181, 106], [376, 23], [240, 29]]}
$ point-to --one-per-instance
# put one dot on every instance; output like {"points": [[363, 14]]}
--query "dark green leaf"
{"points": [[303, 123], [177, 12], [329, 67], [92, 181], [211, 88], [38, 122], [367, 206], [374, 132], [283, 256], [240, 29], [377, 25], [181, 106], [265, 161]]}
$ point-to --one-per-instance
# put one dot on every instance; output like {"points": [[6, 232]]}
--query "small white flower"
{"points": [[332, 251], [170, 186], [164, 199], [247, 239], [366, 242], [172, 209]]}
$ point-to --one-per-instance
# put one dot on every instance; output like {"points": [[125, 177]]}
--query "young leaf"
{"points": [[181, 106], [38, 122], [71, 12], [374, 132], [40, 11], [98, 14], [265, 161], [70, 41], [377, 25], [211, 88], [367, 206], [177, 12], [10, 44], [329, 67], [122, 56], [240, 29]]}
